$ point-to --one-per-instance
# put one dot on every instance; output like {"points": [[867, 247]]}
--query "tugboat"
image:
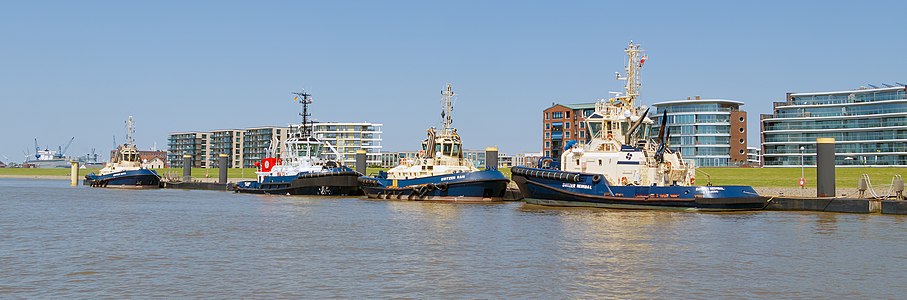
{"points": [[125, 169], [439, 173], [303, 169], [622, 166]]}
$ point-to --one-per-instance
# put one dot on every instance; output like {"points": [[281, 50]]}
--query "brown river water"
{"points": [[57, 241]]}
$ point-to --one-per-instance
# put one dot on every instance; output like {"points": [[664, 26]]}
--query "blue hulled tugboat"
{"points": [[439, 173], [305, 167], [125, 168], [623, 167]]}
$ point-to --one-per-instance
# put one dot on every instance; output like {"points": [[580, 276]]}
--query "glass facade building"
{"points": [[711, 132], [869, 126], [195, 144], [348, 138]]}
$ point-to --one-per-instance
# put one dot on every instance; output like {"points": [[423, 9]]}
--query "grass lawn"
{"points": [[43, 172], [787, 177]]}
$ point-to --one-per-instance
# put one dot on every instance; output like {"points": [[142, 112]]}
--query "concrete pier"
{"points": [[73, 173], [222, 168], [825, 167], [360, 162], [894, 207], [826, 204], [491, 158], [208, 186], [187, 167]]}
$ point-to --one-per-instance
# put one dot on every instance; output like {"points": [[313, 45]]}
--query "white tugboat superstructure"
{"points": [[439, 172], [303, 153], [305, 167], [619, 147], [623, 166], [442, 150], [125, 167]]}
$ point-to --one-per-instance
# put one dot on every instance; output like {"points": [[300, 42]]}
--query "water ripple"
{"points": [[57, 241]]}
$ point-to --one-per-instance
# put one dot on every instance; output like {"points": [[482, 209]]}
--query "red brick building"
{"points": [[562, 123]]}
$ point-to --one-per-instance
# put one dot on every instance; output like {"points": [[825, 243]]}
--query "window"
{"points": [[557, 115], [582, 134], [567, 113], [567, 125], [582, 124], [547, 116], [547, 144], [547, 126], [547, 135], [567, 134], [547, 153]]}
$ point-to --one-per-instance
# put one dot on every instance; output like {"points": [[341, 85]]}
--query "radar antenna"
{"points": [[447, 108], [305, 99], [130, 130], [635, 59]]}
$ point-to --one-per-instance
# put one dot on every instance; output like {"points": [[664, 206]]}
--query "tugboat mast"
{"points": [[130, 130], [305, 99], [635, 60], [446, 117]]}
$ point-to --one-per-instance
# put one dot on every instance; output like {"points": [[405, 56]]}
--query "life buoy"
{"points": [[421, 153], [609, 136], [692, 180], [623, 181]]}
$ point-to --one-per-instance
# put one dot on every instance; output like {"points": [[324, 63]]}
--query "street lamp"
{"points": [[802, 166]]}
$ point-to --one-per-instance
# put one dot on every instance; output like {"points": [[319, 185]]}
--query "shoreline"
{"points": [[765, 191], [42, 177]]}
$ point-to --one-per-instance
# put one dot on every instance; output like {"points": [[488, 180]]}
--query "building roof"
{"points": [[694, 101], [860, 90], [580, 105], [574, 106]]}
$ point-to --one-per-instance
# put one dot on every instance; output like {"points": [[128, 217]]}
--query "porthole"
{"points": [[741, 119], [741, 129], [741, 151], [742, 141]]}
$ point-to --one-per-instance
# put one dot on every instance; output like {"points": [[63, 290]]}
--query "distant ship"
{"points": [[91, 161], [125, 169], [305, 168], [49, 158], [623, 166], [439, 173]]}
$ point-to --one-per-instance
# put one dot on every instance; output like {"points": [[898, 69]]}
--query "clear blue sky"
{"points": [[79, 68]]}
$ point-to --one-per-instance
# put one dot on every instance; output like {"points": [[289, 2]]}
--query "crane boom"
{"points": [[63, 152]]}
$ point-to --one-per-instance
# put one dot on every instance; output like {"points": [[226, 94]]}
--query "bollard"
{"points": [[222, 164], [360, 162], [74, 173], [491, 158], [825, 167], [187, 167], [898, 187], [862, 185]]}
